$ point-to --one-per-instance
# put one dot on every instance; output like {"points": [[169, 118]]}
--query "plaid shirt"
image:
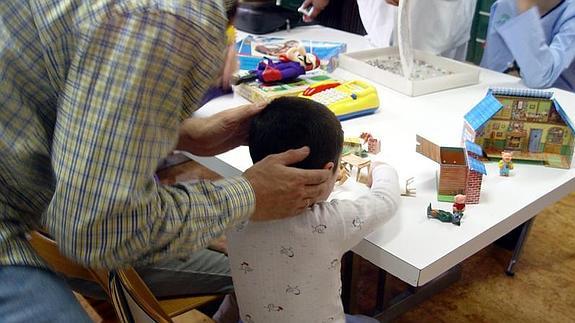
{"points": [[91, 97]]}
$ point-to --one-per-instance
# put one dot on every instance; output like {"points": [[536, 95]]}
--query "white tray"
{"points": [[461, 74]]}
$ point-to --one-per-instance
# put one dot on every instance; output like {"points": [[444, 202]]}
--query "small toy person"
{"points": [[444, 216], [505, 164], [458, 207]]}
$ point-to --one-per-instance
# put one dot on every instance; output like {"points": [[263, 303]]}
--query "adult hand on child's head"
{"points": [[218, 133], [318, 6], [282, 191]]}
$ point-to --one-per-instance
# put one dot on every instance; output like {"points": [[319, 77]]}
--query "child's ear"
{"points": [[329, 166]]}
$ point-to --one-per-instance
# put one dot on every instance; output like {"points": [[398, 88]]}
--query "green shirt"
{"points": [[92, 93]]}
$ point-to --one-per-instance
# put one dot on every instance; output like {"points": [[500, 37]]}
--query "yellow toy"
{"points": [[346, 100]]}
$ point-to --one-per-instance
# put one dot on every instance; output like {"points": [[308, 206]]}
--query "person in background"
{"points": [[440, 27], [289, 270], [534, 38], [93, 95]]}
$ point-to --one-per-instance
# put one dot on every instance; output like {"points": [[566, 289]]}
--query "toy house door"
{"points": [[428, 149], [535, 140]]}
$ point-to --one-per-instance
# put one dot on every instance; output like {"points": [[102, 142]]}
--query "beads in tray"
{"points": [[421, 69]]}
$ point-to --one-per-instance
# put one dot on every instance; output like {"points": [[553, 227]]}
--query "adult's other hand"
{"points": [[318, 6]]}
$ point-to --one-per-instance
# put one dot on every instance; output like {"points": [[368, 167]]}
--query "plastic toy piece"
{"points": [[348, 100], [530, 123], [298, 54], [293, 63], [408, 190], [505, 164], [445, 216], [373, 145], [353, 145], [270, 72], [321, 86]]}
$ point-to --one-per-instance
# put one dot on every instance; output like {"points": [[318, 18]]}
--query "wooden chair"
{"points": [[131, 298], [134, 302], [48, 250]]}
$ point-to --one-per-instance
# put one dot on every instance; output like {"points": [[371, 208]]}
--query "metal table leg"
{"points": [[526, 227]]}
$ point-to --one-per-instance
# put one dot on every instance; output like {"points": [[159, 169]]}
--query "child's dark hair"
{"points": [[291, 123]]}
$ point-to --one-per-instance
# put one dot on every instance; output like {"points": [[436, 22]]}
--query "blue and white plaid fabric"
{"points": [[91, 96]]}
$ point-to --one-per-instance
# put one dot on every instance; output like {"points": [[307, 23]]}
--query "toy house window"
{"points": [[518, 112], [555, 135], [515, 126]]}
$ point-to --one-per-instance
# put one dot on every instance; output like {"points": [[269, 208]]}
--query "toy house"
{"points": [[527, 122], [460, 171], [353, 145]]}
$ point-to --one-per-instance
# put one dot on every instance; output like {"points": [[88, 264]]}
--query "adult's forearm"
{"points": [[165, 222]]}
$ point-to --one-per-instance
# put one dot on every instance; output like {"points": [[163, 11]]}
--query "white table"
{"points": [[412, 247]]}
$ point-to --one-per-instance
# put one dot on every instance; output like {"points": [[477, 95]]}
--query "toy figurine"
{"points": [[458, 207], [309, 61], [505, 164], [444, 216]]}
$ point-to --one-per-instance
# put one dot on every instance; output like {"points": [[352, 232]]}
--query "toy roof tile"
{"points": [[483, 111], [563, 115], [531, 93], [473, 147], [476, 165]]}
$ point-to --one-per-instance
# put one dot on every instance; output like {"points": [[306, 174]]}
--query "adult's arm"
{"points": [[129, 78]]}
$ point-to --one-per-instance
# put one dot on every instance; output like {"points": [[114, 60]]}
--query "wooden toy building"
{"points": [[527, 122], [460, 171]]}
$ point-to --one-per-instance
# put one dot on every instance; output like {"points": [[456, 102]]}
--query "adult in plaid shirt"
{"points": [[93, 95]]}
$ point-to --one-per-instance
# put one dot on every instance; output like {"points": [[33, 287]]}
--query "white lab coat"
{"points": [[440, 27]]}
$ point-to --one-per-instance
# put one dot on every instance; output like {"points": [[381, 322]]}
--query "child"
{"points": [[289, 270], [535, 38]]}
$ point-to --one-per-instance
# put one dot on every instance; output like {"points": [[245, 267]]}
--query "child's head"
{"points": [[291, 123]]}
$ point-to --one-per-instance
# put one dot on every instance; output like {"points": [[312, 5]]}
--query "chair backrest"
{"points": [[135, 303], [132, 299], [47, 248]]}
